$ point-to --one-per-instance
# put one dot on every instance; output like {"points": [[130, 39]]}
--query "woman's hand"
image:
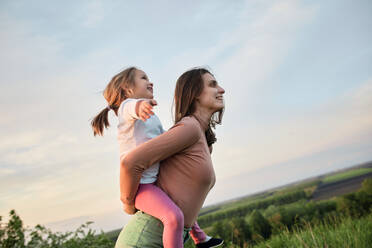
{"points": [[129, 209], [144, 108]]}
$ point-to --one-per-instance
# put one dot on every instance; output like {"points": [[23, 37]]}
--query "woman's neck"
{"points": [[203, 117]]}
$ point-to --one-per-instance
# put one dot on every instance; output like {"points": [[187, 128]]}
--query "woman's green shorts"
{"points": [[143, 231]]}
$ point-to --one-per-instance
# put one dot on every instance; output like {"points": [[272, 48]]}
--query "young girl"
{"points": [[130, 95]]}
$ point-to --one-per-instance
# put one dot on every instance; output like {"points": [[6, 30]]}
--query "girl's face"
{"points": [[211, 97], [143, 88]]}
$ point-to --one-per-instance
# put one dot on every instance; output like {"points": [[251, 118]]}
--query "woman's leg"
{"points": [[142, 230], [197, 234], [153, 201]]}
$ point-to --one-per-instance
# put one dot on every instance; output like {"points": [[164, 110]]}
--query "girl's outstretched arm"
{"points": [[179, 137], [138, 109]]}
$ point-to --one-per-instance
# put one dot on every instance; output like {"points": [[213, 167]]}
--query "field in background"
{"points": [[333, 210], [323, 211], [317, 188], [346, 175]]}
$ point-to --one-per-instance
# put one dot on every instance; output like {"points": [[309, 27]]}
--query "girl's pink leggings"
{"points": [[153, 201]]}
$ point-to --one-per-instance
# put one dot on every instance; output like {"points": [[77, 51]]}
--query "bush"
{"points": [[261, 228], [355, 204], [219, 230], [367, 186], [241, 233], [235, 232], [12, 235]]}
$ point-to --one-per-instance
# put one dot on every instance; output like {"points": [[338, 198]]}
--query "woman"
{"points": [[186, 171]]}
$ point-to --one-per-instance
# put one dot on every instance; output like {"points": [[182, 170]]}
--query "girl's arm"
{"points": [[138, 109], [179, 137]]}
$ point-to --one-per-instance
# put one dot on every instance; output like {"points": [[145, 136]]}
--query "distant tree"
{"points": [[359, 203], [364, 201], [240, 232], [348, 204], [12, 235], [259, 225], [241, 211], [367, 186], [270, 211], [285, 217], [219, 229]]}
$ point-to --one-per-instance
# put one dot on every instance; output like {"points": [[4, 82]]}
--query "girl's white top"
{"points": [[132, 132]]}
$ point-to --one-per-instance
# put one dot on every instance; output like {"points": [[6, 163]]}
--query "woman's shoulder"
{"points": [[189, 126], [190, 121]]}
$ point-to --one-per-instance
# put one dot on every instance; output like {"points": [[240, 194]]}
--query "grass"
{"points": [[346, 175], [339, 232]]}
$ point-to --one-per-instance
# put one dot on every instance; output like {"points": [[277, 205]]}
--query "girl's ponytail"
{"points": [[114, 94], [100, 121]]}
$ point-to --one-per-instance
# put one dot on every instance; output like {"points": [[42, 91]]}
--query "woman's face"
{"points": [[143, 88], [211, 97]]}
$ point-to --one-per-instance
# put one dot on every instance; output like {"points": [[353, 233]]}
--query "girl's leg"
{"points": [[153, 201], [197, 234]]}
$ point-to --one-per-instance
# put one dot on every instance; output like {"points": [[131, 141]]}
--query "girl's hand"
{"points": [[144, 108], [129, 209]]}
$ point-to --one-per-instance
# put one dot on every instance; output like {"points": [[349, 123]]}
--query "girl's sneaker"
{"points": [[213, 242]]}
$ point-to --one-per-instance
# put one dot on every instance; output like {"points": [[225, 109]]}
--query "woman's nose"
{"points": [[221, 90]]}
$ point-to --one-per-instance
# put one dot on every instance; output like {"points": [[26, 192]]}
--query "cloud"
{"points": [[264, 44], [107, 221]]}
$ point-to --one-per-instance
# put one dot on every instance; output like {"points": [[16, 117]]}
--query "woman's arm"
{"points": [[179, 137]]}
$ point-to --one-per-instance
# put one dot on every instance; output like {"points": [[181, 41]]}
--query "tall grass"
{"points": [[336, 232]]}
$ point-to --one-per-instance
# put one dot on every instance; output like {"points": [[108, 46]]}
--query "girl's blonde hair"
{"points": [[115, 93]]}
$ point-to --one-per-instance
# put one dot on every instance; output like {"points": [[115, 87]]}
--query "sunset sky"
{"points": [[297, 76]]}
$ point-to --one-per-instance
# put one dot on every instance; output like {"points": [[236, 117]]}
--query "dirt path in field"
{"points": [[329, 190]]}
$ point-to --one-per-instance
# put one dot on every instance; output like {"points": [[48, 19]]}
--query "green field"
{"points": [[346, 175]]}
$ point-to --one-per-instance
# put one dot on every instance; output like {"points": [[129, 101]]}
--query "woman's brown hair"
{"points": [[115, 94], [189, 86]]}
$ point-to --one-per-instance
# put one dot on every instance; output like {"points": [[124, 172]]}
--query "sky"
{"points": [[297, 76]]}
